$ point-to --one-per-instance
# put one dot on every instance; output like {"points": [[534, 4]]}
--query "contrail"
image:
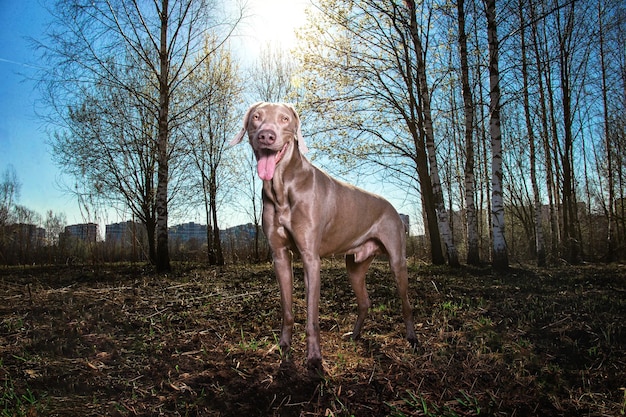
{"points": [[22, 64]]}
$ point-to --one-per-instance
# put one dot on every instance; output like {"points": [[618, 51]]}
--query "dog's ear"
{"points": [[299, 138], [239, 136], [301, 145]]}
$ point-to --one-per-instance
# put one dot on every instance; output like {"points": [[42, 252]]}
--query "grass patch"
{"points": [[120, 340]]}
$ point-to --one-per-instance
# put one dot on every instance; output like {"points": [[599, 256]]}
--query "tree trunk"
{"points": [[424, 93], [539, 241], [209, 228], [163, 256], [432, 228], [570, 244], [150, 231], [500, 257], [610, 252], [545, 134], [217, 244], [473, 253]]}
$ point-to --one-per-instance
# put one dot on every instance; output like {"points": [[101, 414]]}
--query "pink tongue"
{"points": [[266, 164]]}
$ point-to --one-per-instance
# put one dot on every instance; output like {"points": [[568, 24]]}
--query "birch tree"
{"points": [[499, 250], [443, 219], [473, 254]]}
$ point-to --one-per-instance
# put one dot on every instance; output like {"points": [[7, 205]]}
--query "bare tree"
{"points": [[54, 224], [271, 75], [92, 43], [111, 152], [530, 131], [610, 255], [365, 76], [473, 253], [9, 194], [217, 88], [423, 89], [545, 108], [499, 250]]}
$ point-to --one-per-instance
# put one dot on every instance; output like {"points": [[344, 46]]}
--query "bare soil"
{"points": [[120, 340]]}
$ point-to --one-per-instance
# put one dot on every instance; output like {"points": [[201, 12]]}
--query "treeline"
{"points": [[503, 122], [511, 113]]}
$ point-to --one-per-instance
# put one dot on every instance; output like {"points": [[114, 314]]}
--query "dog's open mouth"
{"points": [[267, 160]]}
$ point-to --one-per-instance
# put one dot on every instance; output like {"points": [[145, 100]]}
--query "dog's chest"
{"points": [[276, 201]]}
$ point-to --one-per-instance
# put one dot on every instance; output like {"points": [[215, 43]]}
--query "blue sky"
{"points": [[23, 139], [22, 135]]}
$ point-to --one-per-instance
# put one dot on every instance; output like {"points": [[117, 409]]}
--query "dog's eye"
{"points": [[284, 119]]}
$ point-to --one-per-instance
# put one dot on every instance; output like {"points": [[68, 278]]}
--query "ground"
{"points": [[120, 340]]}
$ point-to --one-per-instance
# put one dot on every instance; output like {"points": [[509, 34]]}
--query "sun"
{"points": [[274, 22]]}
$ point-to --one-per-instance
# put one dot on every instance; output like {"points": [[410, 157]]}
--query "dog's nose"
{"points": [[267, 136]]}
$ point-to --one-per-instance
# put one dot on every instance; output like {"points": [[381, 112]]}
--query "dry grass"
{"points": [[122, 341]]}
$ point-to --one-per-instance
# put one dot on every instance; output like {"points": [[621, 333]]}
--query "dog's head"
{"points": [[271, 128]]}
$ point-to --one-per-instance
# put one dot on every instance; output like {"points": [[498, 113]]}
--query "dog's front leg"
{"points": [[312, 263], [284, 276]]}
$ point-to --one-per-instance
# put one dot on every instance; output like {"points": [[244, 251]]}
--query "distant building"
{"points": [[25, 234], [87, 232], [124, 233], [187, 231], [239, 234]]}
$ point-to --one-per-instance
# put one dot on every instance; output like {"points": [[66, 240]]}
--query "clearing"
{"points": [[119, 340]]}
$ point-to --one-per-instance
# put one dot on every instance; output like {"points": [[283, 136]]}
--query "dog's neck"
{"points": [[289, 171]]}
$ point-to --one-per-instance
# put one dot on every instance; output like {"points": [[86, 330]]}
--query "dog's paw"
{"points": [[315, 367]]}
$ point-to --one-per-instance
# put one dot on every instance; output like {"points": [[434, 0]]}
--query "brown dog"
{"points": [[306, 210]]}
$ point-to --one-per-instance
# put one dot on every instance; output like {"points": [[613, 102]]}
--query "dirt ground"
{"points": [[119, 340]]}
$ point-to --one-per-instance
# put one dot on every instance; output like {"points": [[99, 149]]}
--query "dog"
{"points": [[307, 211]]}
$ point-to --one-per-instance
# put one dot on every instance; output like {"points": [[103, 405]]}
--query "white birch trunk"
{"points": [[499, 251]]}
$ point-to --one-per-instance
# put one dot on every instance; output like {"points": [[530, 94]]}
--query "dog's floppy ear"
{"points": [[299, 138], [239, 136]]}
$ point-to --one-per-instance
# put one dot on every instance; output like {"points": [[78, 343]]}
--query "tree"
{"points": [[545, 112], [530, 131], [54, 225], [473, 253], [111, 43], [499, 251], [426, 119], [271, 75], [365, 77], [111, 152], [9, 195], [565, 34], [217, 89], [610, 255], [10, 188]]}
